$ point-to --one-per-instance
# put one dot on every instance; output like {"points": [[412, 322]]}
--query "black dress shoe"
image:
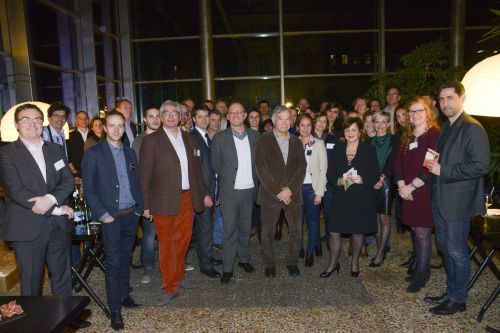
{"points": [[128, 302], [293, 270], [318, 250], [326, 273], [448, 308], [211, 273], [354, 274], [226, 277], [117, 321], [216, 262], [134, 266], [270, 272], [302, 254], [247, 267], [436, 299], [309, 260], [79, 323]]}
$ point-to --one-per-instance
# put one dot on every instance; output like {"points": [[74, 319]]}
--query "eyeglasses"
{"points": [[170, 114], [28, 120], [239, 112], [412, 112]]}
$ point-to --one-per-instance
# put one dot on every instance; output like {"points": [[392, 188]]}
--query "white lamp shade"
{"points": [[8, 129], [482, 88]]}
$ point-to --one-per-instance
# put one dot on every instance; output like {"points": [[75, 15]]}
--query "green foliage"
{"points": [[421, 70], [492, 127], [495, 32]]}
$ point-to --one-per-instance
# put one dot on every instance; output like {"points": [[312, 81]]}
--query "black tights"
{"points": [[423, 248], [335, 242]]}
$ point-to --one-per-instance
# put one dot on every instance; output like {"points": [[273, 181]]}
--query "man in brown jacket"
{"points": [[281, 167], [171, 183]]}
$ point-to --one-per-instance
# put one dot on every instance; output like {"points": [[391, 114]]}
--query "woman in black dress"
{"points": [[353, 209]]}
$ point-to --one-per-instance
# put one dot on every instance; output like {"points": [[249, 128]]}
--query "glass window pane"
{"points": [[106, 56], [400, 43], [249, 92], [330, 54], [52, 35], [149, 95], [417, 14], [475, 51], [299, 15], [104, 15], [167, 60], [477, 12], [164, 18], [317, 90], [246, 56], [243, 16]]}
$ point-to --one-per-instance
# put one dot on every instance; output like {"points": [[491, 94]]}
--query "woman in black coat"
{"points": [[353, 209], [386, 146]]}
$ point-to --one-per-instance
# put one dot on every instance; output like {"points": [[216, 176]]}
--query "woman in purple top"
{"points": [[413, 181]]}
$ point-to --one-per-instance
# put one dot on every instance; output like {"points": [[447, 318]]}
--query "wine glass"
{"points": [[488, 201]]}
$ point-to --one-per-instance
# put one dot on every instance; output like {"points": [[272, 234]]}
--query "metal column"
{"points": [[19, 50], [88, 54], [282, 55], [381, 35], [207, 53], [457, 32], [126, 54]]}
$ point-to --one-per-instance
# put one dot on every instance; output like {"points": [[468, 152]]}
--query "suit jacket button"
{"points": [[116, 200], [117, 186]]}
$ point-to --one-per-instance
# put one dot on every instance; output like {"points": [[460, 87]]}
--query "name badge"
{"points": [[309, 152], [197, 152], [59, 165], [330, 145], [413, 145]]}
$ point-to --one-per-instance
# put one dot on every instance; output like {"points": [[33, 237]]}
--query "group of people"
{"points": [[223, 167]]}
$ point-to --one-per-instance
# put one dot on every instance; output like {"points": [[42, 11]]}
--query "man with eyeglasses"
{"points": [[58, 114], [233, 159], [37, 182], [172, 187]]}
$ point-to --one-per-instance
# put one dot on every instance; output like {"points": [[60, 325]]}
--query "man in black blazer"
{"points": [[113, 193], [204, 227], [124, 106], [77, 140], [37, 181], [457, 193]]}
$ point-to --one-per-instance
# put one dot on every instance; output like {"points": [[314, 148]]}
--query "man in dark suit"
{"points": [[37, 182], [172, 186], [457, 193], [281, 167], [77, 140], [233, 159], [125, 108], [112, 190], [204, 226]]}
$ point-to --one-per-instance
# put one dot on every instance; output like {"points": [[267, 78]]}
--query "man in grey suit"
{"points": [[233, 159], [37, 181], [457, 193]]}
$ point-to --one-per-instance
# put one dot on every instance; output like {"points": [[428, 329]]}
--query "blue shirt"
{"points": [[125, 199]]}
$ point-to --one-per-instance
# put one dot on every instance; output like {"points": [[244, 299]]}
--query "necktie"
{"points": [[209, 141]]}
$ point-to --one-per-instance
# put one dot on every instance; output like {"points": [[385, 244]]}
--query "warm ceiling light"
{"points": [[8, 129], [482, 88]]}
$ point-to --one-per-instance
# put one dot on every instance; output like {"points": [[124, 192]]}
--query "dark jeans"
{"points": [[148, 246], [311, 213], [204, 229], [118, 240], [451, 239]]}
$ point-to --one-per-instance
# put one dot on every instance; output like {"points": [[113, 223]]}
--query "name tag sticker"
{"points": [[309, 152], [330, 145], [197, 152], [59, 165], [413, 145]]}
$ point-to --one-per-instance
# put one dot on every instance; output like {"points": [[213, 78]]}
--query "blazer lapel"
{"points": [[108, 156], [50, 171], [26, 156]]}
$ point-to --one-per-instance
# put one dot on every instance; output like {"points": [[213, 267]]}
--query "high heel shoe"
{"points": [[326, 274], [354, 274]]}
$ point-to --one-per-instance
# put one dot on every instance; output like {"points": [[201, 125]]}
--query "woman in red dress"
{"points": [[413, 181]]}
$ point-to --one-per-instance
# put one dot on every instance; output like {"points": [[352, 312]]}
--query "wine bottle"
{"points": [[78, 213]]}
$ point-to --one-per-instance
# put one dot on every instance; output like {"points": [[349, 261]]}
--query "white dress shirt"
{"points": [[180, 149]]}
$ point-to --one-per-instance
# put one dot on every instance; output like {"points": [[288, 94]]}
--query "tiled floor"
{"points": [[374, 302]]}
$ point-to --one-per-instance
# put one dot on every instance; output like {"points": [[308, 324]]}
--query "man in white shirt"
{"points": [[58, 114], [233, 159], [77, 139]]}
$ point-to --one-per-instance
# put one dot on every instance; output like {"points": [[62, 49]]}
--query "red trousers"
{"points": [[174, 235]]}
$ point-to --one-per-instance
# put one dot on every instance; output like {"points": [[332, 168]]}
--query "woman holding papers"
{"points": [[387, 146], [413, 182], [352, 172]]}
